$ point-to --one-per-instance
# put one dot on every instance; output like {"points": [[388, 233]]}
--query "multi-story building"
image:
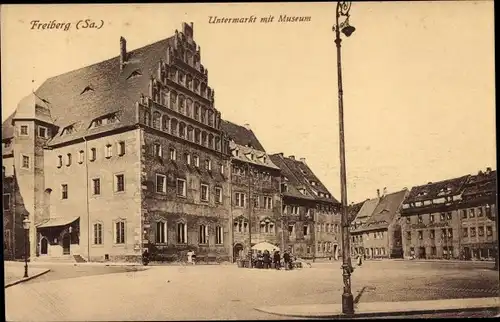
{"points": [[310, 213], [431, 219], [131, 154], [255, 191], [380, 235], [478, 235], [359, 219]]}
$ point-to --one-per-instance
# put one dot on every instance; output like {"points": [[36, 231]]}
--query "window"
{"points": [[464, 214], [408, 220], [6, 201], [59, 161], [268, 202], [120, 232], [93, 154], [419, 219], [480, 231], [488, 211], [96, 186], [108, 151], [121, 148], [25, 162], [157, 150], [432, 234], [306, 230], [80, 157], [68, 160], [240, 199], [433, 251], [489, 231], [473, 231], [119, 183], [291, 229], [181, 187], [218, 194], [222, 169], [181, 233], [431, 218], [219, 235], [450, 233], [203, 234], [161, 232], [204, 192], [442, 216], [319, 247], [98, 234], [187, 157], [24, 130], [64, 191], [161, 186], [479, 212], [408, 235], [156, 120], [465, 232], [196, 160], [448, 216], [42, 132], [295, 210], [318, 228], [471, 213], [208, 165]]}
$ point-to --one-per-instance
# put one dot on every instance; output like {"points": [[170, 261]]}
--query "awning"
{"points": [[55, 222]]}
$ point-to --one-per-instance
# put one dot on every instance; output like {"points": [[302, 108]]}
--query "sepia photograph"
{"points": [[249, 161]]}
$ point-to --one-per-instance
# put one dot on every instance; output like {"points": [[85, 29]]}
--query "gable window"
{"points": [[120, 232], [472, 213], [157, 150], [219, 235], [480, 231], [93, 154], [284, 187], [419, 219], [96, 186], [489, 230], [80, 157], [408, 220], [24, 130], [108, 151], [479, 212], [181, 187], [448, 216], [59, 161], [64, 191], [161, 183], [295, 210], [173, 154], [161, 232], [203, 234], [98, 234], [442, 216], [121, 148], [464, 214], [432, 234], [268, 202], [218, 194], [204, 192], [25, 162], [42, 132], [6, 201], [240, 199], [181, 233], [119, 182], [465, 232], [473, 231]]}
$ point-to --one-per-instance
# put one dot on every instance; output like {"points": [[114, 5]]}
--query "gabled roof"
{"points": [[251, 155], [366, 210], [241, 135], [385, 211], [352, 210], [435, 190]]}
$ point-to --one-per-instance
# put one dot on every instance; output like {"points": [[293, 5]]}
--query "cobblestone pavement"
{"points": [[227, 292]]}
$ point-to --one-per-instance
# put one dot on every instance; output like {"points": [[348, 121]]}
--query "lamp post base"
{"points": [[25, 272], [347, 304]]}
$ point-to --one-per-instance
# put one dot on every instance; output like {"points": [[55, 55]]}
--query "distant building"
{"points": [[310, 212], [453, 218], [359, 219], [379, 235]]}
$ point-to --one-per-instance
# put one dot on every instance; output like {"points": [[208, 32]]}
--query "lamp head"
{"points": [[348, 30]]}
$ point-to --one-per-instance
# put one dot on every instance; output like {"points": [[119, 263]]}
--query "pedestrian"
{"points": [[286, 258], [360, 262], [277, 260], [267, 259], [191, 257], [145, 257]]}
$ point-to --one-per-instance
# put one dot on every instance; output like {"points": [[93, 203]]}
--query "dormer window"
{"points": [[87, 89], [302, 191], [284, 187], [422, 193], [313, 183], [98, 122], [135, 73], [68, 130]]}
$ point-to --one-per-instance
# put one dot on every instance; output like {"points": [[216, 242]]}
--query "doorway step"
{"points": [[55, 259], [79, 259]]}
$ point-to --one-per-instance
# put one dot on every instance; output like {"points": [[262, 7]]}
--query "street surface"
{"points": [[70, 293]]}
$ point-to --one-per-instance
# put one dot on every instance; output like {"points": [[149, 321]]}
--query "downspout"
{"points": [[87, 199]]}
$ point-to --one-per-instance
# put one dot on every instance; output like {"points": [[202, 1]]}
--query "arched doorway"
{"points": [[237, 251], [44, 246], [66, 244]]}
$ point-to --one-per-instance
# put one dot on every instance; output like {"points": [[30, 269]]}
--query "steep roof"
{"points": [[292, 182], [367, 209], [385, 211], [8, 128], [483, 183], [241, 135], [435, 190], [80, 96], [352, 210], [251, 155]]}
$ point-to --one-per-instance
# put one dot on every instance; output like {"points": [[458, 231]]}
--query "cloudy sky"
{"points": [[418, 78]]}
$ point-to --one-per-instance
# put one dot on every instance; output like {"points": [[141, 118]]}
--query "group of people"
{"points": [[263, 259]]}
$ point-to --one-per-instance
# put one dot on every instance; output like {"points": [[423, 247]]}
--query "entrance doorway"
{"points": [[237, 251], [422, 253], [44, 246], [66, 243]]}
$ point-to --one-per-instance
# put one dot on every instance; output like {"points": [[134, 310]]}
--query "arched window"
{"points": [[190, 133], [203, 89], [166, 98], [203, 234], [266, 226], [189, 81], [203, 114], [203, 138], [196, 111], [182, 129], [156, 120], [189, 107], [173, 100], [210, 118], [197, 138], [211, 141], [147, 118], [189, 58], [196, 86], [181, 233], [182, 78], [217, 143], [164, 123], [182, 102], [173, 126], [173, 73]]}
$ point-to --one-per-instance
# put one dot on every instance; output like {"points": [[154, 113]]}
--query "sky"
{"points": [[418, 78]]}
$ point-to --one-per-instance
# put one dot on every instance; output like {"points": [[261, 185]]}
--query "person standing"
{"points": [[191, 257], [277, 260], [286, 258]]}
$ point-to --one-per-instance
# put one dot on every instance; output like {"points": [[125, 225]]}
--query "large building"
{"points": [[131, 154], [379, 233], [453, 218]]}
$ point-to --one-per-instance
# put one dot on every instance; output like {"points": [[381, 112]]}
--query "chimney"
{"points": [[378, 193], [247, 126], [123, 52], [292, 157], [488, 170], [303, 160], [385, 192], [281, 154]]}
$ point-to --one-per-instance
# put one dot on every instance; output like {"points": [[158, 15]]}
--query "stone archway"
{"points": [[237, 251], [44, 246]]}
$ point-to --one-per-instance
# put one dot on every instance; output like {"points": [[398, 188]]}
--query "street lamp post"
{"points": [[343, 9], [26, 226]]}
